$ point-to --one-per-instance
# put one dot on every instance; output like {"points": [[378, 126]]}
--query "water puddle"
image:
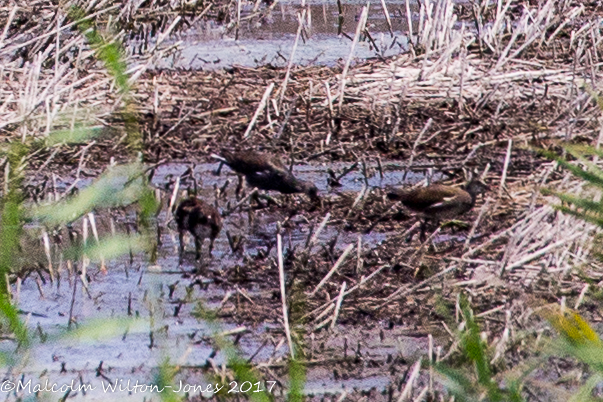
{"points": [[267, 36]]}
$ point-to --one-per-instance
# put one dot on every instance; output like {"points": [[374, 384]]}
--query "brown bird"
{"points": [[266, 172], [201, 220], [438, 202]]}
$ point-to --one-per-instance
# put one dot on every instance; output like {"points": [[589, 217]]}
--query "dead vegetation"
{"points": [[472, 97]]}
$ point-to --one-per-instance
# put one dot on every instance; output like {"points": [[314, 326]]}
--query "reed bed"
{"points": [[522, 256], [462, 99], [51, 79]]}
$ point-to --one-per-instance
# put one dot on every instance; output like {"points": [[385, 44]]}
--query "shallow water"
{"points": [[144, 291], [268, 38]]}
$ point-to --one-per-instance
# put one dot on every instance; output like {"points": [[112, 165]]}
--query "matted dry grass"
{"points": [[461, 100]]}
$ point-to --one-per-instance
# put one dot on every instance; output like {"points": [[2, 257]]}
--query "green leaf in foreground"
{"points": [[242, 369], [103, 329], [11, 229], [118, 186], [478, 384], [75, 136], [108, 248]]}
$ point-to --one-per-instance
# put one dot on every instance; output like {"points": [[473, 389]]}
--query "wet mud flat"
{"points": [[369, 351], [406, 289], [386, 296], [135, 355], [242, 287], [249, 276]]}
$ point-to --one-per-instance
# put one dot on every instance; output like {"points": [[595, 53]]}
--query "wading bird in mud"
{"points": [[438, 202], [266, 172], [201, 220]]}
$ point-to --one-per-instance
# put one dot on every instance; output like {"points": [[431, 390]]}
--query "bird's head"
{"points": [[309, 189], [476, 186]]}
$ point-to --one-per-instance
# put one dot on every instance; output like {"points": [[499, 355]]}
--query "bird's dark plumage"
{"points": [[201, 220], [437, 202], [267, 172]]}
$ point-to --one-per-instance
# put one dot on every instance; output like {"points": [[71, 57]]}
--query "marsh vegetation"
{"points": [[106, 127]]}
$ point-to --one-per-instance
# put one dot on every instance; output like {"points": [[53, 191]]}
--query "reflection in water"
{"points": [[267, 36]]}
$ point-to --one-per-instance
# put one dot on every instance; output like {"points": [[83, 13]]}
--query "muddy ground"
{"points": [[402, 295]]}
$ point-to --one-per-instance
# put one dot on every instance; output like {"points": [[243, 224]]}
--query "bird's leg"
{"points": [[198, 245], [423, 228], [181, 238], [239, 188], [250, 216], [256, 197], [211, 246], [219, 169]]}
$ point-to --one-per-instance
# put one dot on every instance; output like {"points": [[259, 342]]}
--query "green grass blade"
{"points": [[119, 186]]}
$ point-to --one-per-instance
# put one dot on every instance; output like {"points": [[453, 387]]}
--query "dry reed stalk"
{"points": [[9, 21], [325, 312], [342, 397], [492, 35], [234, 331], [259, 110], [581, 296], [359, 261], [451, 48], [476, 223], [281, 272], [419, 251], [337, 264], [95, 233], [571, 16], [174, 196], [359, 197], [505, 167], [436, 33], [338, 305], [238, 204], [387, 19], [401, 292], [431, 361], [359, 29], [18, 290], [414, 374], [538, 253], [6, 177], [530, 31], [414, 147], [461, 100], [502, 344], [39, 38], [85, 259], [422, 394], [46, 242], [331, 112], [300, 19], [363, 282], [238, 22], [322, 225], [503, 233], [409, 22], [70, 321], [163, 35], [60, 90]]}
